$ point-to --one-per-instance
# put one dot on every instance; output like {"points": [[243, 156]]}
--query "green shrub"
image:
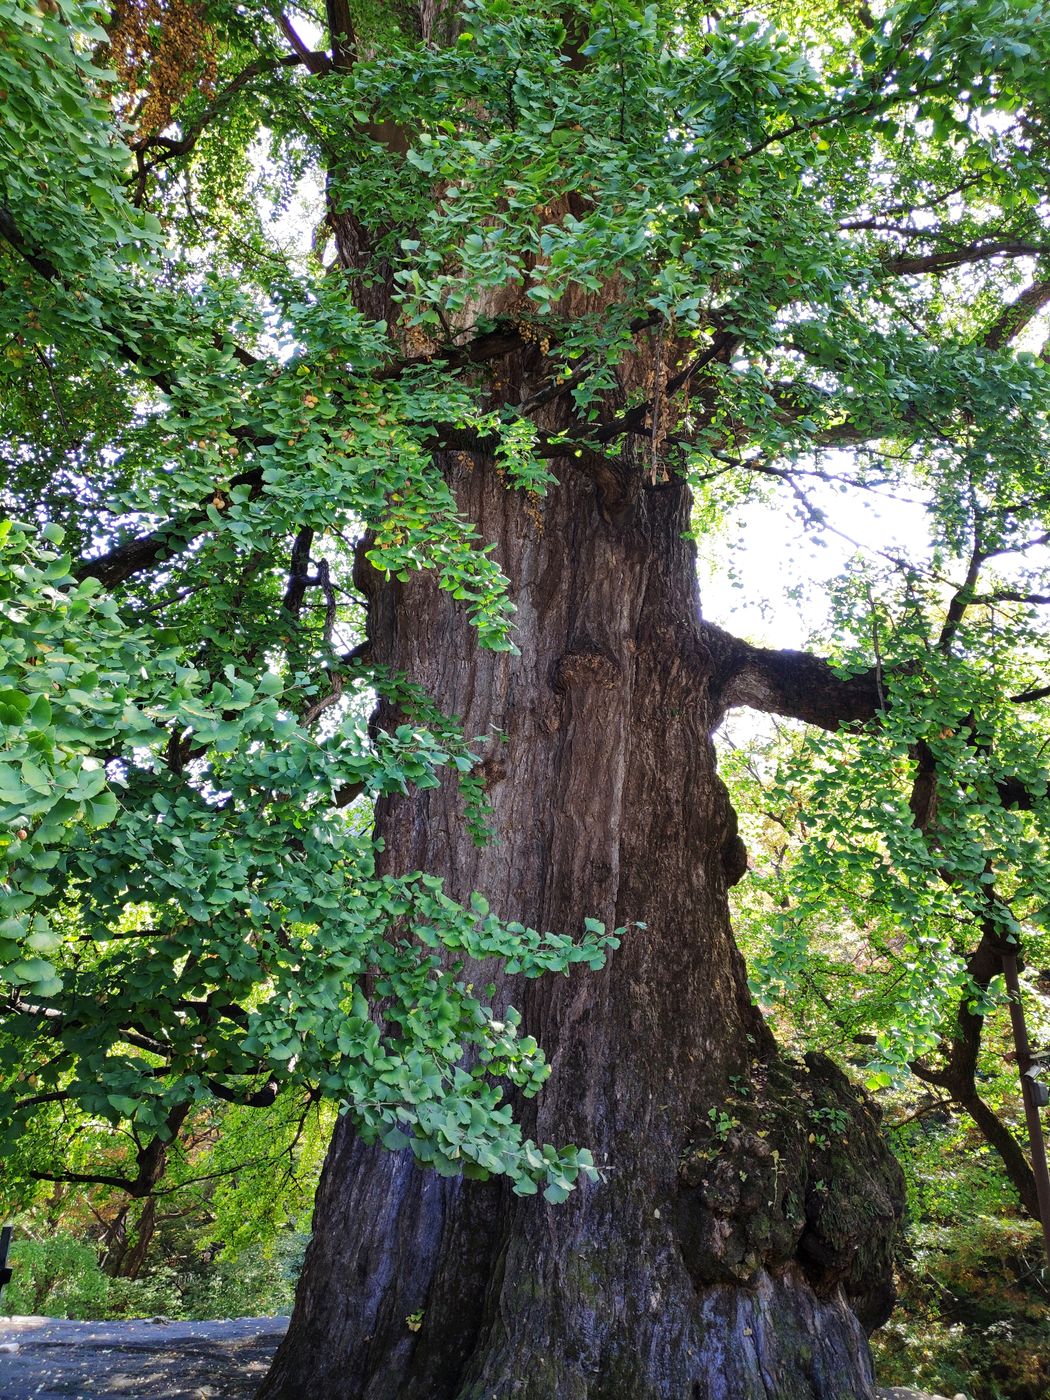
{"points": [[56, 1277], [61, 1277]]}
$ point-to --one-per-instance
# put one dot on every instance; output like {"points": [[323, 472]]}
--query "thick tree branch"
{"points": [[1012, 595], [794, 684], [316, 62], [121, 1183], [951, 258], [258, 1098], [341, 34], [170, 147], [1016, 317], [799, 685], [151, 1159], [1028, 697], [298, 572]]}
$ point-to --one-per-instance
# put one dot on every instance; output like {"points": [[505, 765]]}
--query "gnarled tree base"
{"points": [[754, 1278]]}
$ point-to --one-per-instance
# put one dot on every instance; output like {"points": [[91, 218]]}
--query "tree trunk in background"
{"points": [[124, 1249], [726, 1258], [999, 1136]]}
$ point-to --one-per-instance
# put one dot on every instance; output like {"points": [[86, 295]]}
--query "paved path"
{"points": [[58, 1360]]}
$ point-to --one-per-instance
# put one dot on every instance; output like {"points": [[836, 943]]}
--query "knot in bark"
{"points": [[586, 663], [794, 1170]]}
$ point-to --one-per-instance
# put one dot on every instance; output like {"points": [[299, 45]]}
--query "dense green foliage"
{"points": [[222, 1234], [972, 1316], [261, 917], [852, 918]]}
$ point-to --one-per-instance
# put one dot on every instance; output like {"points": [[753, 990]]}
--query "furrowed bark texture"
{"points": [[725, 1258]]}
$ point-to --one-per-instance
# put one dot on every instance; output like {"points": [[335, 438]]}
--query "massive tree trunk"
{"points": [[723, 1253]]}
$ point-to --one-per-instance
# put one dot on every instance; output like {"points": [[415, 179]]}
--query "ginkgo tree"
{"points": [[354, 682], [869, 966]]}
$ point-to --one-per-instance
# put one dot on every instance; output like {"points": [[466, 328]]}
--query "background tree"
{"points": [[971, 1315], [217, 1230], [847, 969], [583, 278]]}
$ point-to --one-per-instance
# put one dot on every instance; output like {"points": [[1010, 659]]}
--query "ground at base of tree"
{"points": [[47, 1358], [135, 1360]]}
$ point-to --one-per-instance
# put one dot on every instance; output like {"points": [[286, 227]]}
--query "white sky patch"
{"points": [[767, 578]]}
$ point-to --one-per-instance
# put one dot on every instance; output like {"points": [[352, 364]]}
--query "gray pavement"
{"points": [[141, 1360]]}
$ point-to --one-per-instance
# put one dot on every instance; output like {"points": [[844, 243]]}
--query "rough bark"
{"points": [[714, 1259]]}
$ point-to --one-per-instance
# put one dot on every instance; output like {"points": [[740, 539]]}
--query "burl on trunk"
{"points": [[722, 1254]]}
